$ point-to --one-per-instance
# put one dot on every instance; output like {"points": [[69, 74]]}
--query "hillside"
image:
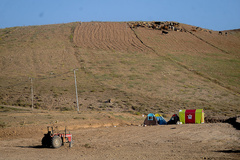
{"points": [[121, 68]]}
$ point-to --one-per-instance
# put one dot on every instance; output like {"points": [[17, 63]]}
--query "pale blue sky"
{"points": [[210, 14]]}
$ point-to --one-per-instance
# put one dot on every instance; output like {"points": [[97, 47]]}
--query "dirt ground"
{"points": [[115, 136]]}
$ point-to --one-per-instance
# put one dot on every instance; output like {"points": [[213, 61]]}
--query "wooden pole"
{"points": [[32, 90], [76, 88]]}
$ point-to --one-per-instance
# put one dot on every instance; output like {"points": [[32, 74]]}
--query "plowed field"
{"points": [[107, 36]]}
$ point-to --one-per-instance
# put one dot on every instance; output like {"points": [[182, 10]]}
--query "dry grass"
{"points": [[181, 72]]}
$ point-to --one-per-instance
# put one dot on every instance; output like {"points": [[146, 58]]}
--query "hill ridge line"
{"points": [[215, 81]]}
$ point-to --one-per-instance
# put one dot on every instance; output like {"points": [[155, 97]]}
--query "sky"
{"points": [[209, 14]]}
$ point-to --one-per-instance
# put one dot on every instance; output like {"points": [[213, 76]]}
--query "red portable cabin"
{"points": [[191, 116]]}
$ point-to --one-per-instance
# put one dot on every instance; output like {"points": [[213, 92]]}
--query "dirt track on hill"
{"points": [[205, 141]]}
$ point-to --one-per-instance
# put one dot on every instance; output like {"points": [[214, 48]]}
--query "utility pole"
{"points": [[76, 89], [31, 89]]}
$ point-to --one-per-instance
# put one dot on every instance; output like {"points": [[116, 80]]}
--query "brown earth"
{"points": [[206, 141], [108, 135], [122, 73]]}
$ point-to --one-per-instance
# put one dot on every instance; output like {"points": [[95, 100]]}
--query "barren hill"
{"points": [[138, 69]]}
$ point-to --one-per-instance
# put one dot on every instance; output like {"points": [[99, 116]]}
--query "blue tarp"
{"points": [[160, 119]]}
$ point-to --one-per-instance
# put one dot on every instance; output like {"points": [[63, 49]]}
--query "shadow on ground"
{"points": [[229, 151], [38, 146], [233, 122]]}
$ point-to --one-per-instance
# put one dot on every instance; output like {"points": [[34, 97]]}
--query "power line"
{"points": [[39, 79]]}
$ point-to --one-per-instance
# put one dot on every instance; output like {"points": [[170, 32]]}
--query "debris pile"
{"points": [[196, 29], [166, 26], [159, 25]]}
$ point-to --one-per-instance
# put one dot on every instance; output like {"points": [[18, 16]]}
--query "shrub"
{"points": [[3, 125]]}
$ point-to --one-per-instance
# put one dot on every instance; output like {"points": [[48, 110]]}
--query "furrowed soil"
{"points": [[122, 73]]}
